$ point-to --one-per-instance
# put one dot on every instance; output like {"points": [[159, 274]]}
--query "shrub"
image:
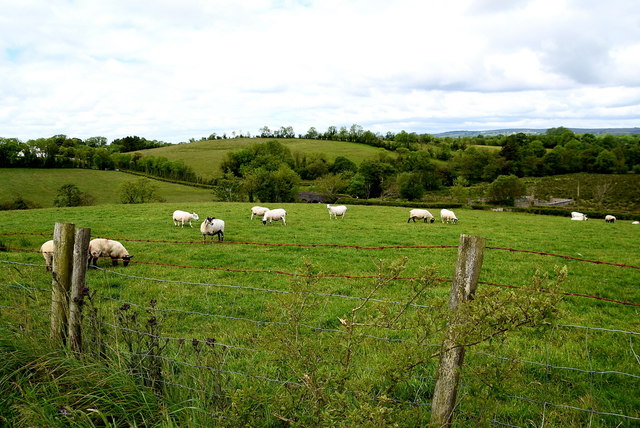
{"points": [[139, 192], [69, 195]]}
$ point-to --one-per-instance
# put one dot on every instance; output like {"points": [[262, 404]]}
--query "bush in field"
{"points": [[18, 203], [505, 189], [139, 192], [69, 195], [331, 185]]}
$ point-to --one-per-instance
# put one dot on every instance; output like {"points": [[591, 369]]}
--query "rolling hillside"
{"points": [[205, 157], [40, 186]]}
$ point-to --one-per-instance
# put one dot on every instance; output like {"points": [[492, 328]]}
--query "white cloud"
{"points": [[172, 71]]}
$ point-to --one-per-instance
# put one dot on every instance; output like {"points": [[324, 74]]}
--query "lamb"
{"points": [[420, 213], [448, 216], [102, 247], [336, 211], [275, 215], [180, 217], [576, 216], [47, 249], [609, 219], [212, 226], [258, 211]]}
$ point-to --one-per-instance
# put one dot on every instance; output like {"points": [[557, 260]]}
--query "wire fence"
{"points": [[239, 369]]}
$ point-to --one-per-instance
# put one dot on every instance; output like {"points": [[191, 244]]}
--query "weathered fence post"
{"points": [[80, 260], [62, 266], [465, 281]]}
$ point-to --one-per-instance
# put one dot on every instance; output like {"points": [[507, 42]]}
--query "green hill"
{"points": [[205, 157], [39, 186]]}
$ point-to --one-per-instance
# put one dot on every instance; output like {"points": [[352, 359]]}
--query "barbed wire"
{"points": [[546, 403], [271, 290], [279, 272], [486, 354], [359, 247]]}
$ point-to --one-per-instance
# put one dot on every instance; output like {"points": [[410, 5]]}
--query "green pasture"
{"points": [[237, 291], [41, 185], [205, 157]]}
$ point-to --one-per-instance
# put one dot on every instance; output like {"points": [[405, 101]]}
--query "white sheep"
{"points": [[275, 215], [212, 226], [420, 213], [609, 219], [258, 211], [102, 247], [635, 222], [576, 216], [336, 211], [448, 216], [180, 217], [47, 249]]}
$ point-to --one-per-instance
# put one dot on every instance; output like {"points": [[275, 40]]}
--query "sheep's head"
{"points": [[195, 216], [125, 260], [210, 220]]}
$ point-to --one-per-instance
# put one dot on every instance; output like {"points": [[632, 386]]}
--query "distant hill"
{"points": [[534, 131], [205, 157]]}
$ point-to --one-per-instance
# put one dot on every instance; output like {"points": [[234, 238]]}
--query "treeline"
{"points": [[268, 171], [61, 151]]}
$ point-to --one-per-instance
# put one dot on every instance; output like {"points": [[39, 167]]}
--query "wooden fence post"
{"points": [[465, 282], [63, 237], [80, 260]]}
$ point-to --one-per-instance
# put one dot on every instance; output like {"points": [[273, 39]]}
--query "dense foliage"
{"points": [[61, 151], [412, 165]]}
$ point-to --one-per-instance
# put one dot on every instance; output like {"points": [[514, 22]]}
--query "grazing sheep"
{"points": [[576, 216], [101, 247], [258, 211], [448, 216], [180, 217], [47, 249], [212, 226], [420, 213], [275, 215], [336, 211], [635, 222], [609, 219]]}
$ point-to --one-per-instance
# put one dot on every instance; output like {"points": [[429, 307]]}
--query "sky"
{"points": [[175, 70]]}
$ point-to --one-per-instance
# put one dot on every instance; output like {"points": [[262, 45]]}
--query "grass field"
{"points": [[219, 290], [41, 186], [205, 157]]}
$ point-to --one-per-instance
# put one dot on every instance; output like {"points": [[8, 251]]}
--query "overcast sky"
{"points": [[174, 70]]}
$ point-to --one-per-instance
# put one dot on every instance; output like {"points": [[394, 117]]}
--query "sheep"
{"points": [[448, 216], [336, 211], [635, 222], [420, 213], [274, 215], [102, 247], [180, 217], [212, 226], [609, 219], [47, 249], [576, 216], [258, 211]]}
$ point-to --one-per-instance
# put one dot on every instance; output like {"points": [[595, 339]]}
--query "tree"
{"points": [[331, 185], [505, 189], [69, 195], [342, 164], [410, 186], [139, 192], [606, 162]]}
